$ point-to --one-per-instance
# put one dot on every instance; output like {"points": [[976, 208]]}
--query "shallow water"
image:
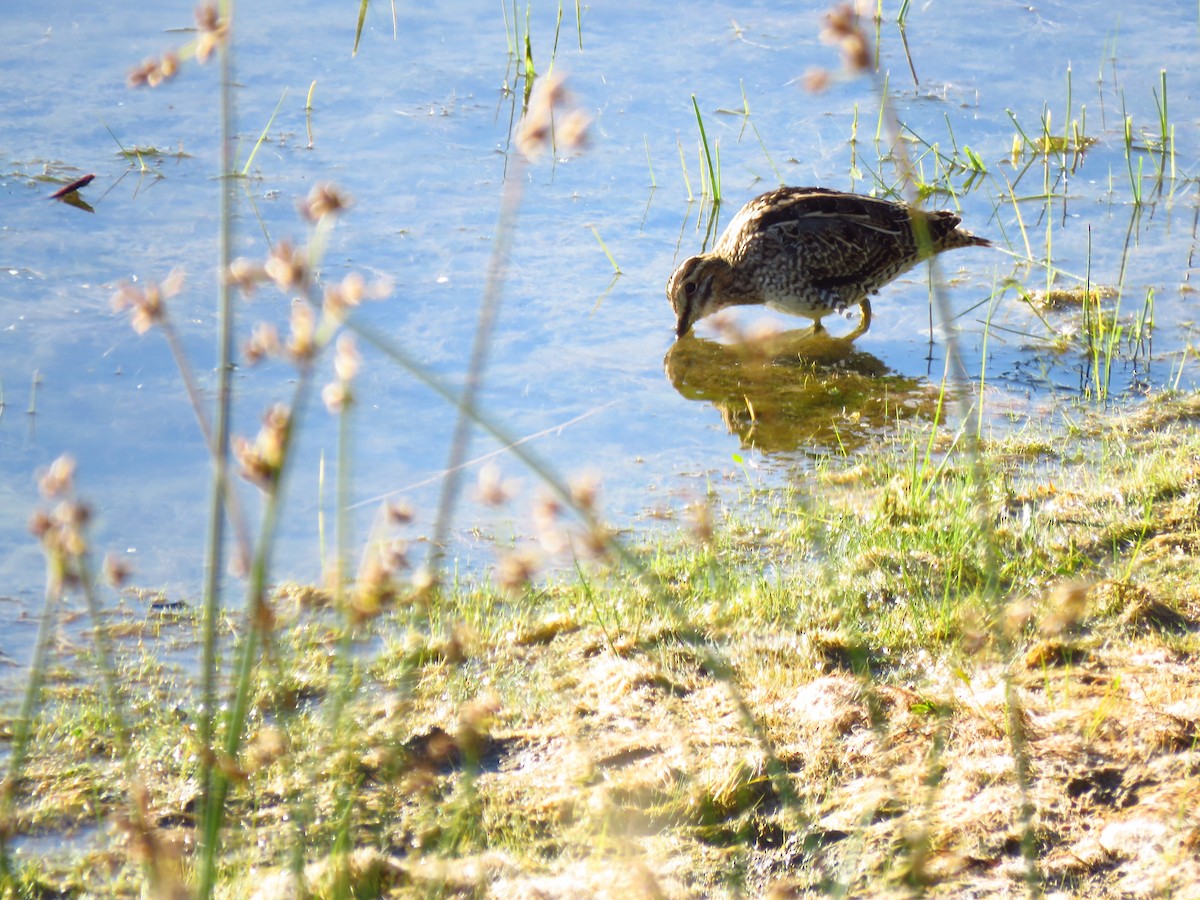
{"points": [[417, 129]]}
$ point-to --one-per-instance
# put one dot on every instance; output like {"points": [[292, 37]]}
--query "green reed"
{"points": [[211, 778], [687, 182], [262, 137], [710, 155]]}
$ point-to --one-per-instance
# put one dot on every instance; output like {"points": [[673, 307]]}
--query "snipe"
{"points": [[810, 252]]}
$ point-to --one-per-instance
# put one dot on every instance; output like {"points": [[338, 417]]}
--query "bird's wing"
{"points": [[841, 239]]}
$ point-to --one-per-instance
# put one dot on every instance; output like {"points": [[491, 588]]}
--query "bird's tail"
{"points": [[946, 235]]}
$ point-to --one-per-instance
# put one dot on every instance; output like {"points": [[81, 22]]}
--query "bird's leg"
{"points": [[865, 323]]}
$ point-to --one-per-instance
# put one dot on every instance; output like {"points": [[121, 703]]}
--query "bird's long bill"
{"points": [[682, 326], [686, 319]]}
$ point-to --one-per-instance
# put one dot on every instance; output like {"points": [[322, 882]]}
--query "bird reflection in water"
{"points": [[796, 390]]}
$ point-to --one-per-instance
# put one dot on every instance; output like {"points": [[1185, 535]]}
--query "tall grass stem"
{"points": [[210, 806]]}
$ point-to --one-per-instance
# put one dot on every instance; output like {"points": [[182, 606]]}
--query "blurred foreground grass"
{"points": [[570, 738]]}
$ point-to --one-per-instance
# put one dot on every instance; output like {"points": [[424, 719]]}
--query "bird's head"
{"points": [[695, 290]]}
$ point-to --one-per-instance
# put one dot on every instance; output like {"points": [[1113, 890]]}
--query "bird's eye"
{"points": [[689, 289]]}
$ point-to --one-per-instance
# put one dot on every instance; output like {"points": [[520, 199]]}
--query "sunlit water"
{"points": [[417, 129]]}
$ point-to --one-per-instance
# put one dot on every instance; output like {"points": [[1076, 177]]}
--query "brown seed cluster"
{"points": [[310, 328], [154, 71], [324, 200], [262, 460], [211, 31], [302, 344], [551, 120], [287, 266], [62, 531], [843, 29], [146, 304], [375, 589], [378, 585], [590, 539], [337, 394]]}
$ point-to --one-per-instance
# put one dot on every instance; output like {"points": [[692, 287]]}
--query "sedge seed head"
{"points": [[551, 119], [287, 266], [246, 275], [337, 397], [585, 490], [212, 30], [491, 488], [515, 570], [816, 80], [324, 200], [346, 359], [116, 571], [302, 345], [59, 479], [843, 28], [263, 344], [400, 512]]}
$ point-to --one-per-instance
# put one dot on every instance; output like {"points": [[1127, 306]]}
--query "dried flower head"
{"points": [[146, 304], [247, 275], [346, 359], [207, 17], [571, 130], [400, 512], [700, 521], [157, 851], [491, 488], [597, 541], [324, 200], [345, 295], [350, 293], [1017, 616], [302, 342], [116, 571], [40, 523], [515, 570], [585, 490], [140, 75], [840, 22], [263, 344], [336, 396], [287, 266], [168, 67], [816, 80], [66, 538], [154, 71], [424, 580], [843, 29], [547, 524], [1068, 608], [61, 531], [536, 129], [375, 588], [59, 479], [395, 555], [212, 30], [268, 745], [262, 460]]}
